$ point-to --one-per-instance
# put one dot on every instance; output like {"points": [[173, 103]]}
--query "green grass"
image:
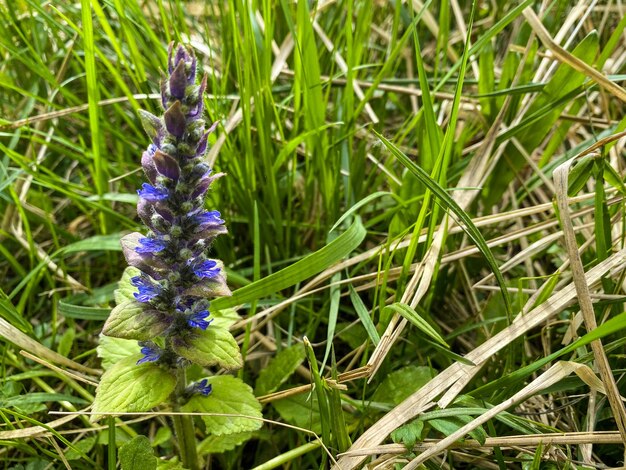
{"points": [[390, 195]]}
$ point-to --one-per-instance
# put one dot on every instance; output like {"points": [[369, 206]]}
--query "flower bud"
{"points": [[185, 254], [176, 231]]}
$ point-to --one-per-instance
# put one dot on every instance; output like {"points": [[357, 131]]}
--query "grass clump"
{"points": [[425, 212]]}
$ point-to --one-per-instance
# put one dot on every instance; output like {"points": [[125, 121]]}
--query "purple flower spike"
{"points": [[175, 281], [206, 269], [197, 320], [147, 289], [150, 245], [202, 144], [150, 193], [150, 351]]}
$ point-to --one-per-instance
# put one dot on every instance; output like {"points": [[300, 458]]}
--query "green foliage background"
{"points": [[344, 131]]}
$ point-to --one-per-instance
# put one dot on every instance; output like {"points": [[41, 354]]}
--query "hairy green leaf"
{"points": [[125, 289], [231, 396], [137, 455], [214, 346], [218, 444], [111, 350], [132, 320], [128, 387]]}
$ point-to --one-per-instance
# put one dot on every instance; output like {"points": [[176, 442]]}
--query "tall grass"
{"points": [[410, 251]]}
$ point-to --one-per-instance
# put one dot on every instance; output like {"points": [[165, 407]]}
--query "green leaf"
{"points": [[451, 424], [218, 444], [300, 410], [128, 387], [162, 436], [214, 346], [137, 455], [172, 464], [125, 289], [80, 448], [111, 350], [400, 384], [411, 315], [87, 306], [308, 266], [579, 175], [279, 369], [132, 320], [84, 313], [232, 396], [408, 434], [363, 202], [224, 318]]}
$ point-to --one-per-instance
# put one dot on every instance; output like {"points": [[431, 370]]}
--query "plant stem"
{"points": [[183, 426], [111, 451]]}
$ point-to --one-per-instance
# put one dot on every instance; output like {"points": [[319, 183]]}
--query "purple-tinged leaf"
{"points": [[166, 165], [175, 121], [135, 320], [178, 81]]}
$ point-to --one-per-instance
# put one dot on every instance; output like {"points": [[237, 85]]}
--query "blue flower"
{"points": [[150, 351], [150, 245], [147, 290], [205, 269], [208, 218], [203, 387], [197, 320], [150, 193]]}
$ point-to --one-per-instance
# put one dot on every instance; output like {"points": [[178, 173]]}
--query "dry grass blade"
{"points": [[553, 375], [529, 440], [15, 336], [420, 281], [565, 57], [35, 431], [561, 177], [424, 397]]}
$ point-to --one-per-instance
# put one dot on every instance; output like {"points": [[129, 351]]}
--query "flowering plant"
{"points": [[163, 300]]}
